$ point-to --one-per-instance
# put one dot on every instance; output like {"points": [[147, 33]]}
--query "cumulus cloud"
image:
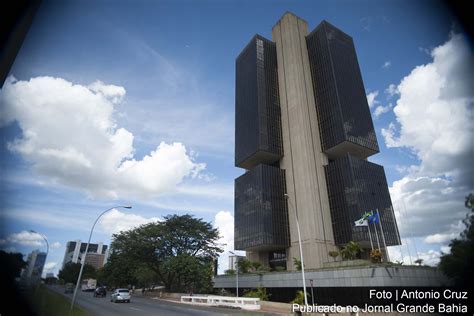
{"points": [[387, 64], [371, 98], [224, 221], [440, 238], [434, 122], [49, 266], [23, 238], [69, 135], [430, 257], [379, 110], [116, 221], [391, 90], [56, 245]]}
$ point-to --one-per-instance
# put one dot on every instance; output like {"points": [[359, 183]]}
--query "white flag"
{"points": [[361, 222]]}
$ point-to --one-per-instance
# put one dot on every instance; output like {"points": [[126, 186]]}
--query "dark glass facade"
{"points": [[356, 186], [258, 136], [261, 213], [71, 246], [343, 112]]}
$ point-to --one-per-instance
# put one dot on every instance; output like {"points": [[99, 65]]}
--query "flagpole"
{"points": [[383, 236], [376, 235], [370, 236]]}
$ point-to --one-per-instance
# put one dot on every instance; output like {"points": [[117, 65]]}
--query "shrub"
{"points": [[260, 293], [376, 255]]}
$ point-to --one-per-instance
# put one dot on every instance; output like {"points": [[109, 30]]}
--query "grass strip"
{"points": [[49, 303]]}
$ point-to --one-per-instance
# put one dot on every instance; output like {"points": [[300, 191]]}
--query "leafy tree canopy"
{"points": [[70, 272], [178, 251], [12, 262], [459, 262]]}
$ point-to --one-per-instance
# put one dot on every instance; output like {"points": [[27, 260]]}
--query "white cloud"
{"points": [[433, 111], [434, 121], [116, 221], [379, 110], [70, 136], [445, 249], [56, 245], [430, 257], [371, 98], [224, 221], [23, 238], [49, 266], [392, 90], [111, 92], [440, 238], [387, 64]]}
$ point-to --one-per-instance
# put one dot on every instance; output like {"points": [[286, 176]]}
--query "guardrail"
{"points": [[247, 303]]}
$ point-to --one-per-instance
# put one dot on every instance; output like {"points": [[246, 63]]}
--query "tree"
{"points": [[12, 263], [459, 262], [351, 250], [118, 272], [244, 265], [299, 299], [180, 250], [419, 262], [70, 272], [297, 263]]}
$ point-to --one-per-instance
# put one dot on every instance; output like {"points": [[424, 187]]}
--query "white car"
{"points": [[120, 295]]}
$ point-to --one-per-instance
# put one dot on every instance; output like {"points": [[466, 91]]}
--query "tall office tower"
{"points": [[303, 134]]}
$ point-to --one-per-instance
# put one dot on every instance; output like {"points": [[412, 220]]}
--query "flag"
{"points": [[368, 214], [361, 222], [374, 218]]}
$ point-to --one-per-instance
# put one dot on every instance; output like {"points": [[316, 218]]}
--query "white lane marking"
{"points": [[136, 309]]}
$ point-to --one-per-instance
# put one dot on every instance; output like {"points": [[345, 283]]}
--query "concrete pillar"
{"points": [[303, 157]]}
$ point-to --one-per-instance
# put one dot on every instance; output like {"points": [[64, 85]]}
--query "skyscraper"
{"points": [[303, 134]]}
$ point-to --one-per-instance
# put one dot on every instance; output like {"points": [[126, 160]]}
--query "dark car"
{"points": [[69, 288], [100, 292]]}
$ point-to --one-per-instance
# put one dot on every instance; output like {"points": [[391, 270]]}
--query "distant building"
{"points": [[75, 250], [95, 259], [34, 268], [49, 275], [232, 262]]}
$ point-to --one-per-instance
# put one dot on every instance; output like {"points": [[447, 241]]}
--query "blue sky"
{"points": [[132, 102]]}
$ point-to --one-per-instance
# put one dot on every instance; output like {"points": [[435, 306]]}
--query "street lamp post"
{"points": [[47, 245], [236, 273], [301, 253], [85, 253]]}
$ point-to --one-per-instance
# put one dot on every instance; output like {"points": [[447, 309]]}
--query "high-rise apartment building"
{"points": [[303, 134], [75, 251]]}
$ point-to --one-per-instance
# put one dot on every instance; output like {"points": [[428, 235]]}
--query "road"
{"points": [[142, 306]]}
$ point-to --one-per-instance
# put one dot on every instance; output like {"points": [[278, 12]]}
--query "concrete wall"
{"points": [[303, 157], [371, 276]]}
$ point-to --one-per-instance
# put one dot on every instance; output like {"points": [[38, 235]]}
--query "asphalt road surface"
{"points": [[142, 306]]}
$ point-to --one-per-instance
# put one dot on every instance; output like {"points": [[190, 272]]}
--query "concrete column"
{"points": [[77, 250], [303, 158]]}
